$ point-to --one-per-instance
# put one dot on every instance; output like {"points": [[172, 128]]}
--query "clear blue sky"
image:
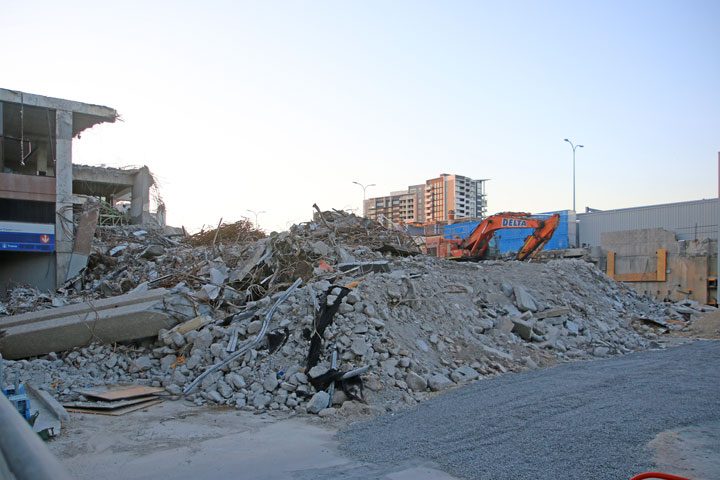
{"points": [[277, 105]]}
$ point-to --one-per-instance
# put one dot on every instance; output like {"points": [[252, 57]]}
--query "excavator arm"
{"points": [[477, 243]]}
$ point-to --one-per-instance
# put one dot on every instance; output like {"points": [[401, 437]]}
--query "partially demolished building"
{"points": [[38, 180]]}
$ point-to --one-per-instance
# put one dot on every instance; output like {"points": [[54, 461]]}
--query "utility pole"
{"points": [[256, 216], [364, 187], [573, 149]]}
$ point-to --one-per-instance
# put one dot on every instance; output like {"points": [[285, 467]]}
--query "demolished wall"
{"points": [[690, 263]]}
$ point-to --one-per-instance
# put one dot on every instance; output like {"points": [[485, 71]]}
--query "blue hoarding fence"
{"points": [[512, 239]]}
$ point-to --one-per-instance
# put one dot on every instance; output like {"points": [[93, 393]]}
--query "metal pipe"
{"points": [[27, 457], [355, 373], [248, 345], [22, 130], [333, 365]]}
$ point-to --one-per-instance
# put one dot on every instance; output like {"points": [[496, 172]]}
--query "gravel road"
{"points": [[589, 420]]}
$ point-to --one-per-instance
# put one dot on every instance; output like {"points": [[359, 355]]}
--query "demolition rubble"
{"points": [[336, 316]]}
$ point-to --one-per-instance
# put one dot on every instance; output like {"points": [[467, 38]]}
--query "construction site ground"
{"points": [[608, 418], [338, 350]]}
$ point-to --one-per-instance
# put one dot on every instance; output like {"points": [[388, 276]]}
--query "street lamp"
{"points": [[364, 187], [256, 216], [573, 147]]}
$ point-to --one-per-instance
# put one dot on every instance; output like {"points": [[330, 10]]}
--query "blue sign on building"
{"points": [[27, 237]]}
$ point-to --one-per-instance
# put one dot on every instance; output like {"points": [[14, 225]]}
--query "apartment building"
{"points": [[441, 199], [398, 207], [451, 197]]}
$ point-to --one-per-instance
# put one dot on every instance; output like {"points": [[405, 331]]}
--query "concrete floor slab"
{"points": [[181, 442]]}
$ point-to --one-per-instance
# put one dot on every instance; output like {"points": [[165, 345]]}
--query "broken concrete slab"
{"points": [[523, 299], [523, 328], [552, 313], [125, 318], [83, 241]]}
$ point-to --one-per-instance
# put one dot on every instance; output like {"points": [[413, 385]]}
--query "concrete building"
{"points": [[442, 199], [399, 207], [117, 185], [667, 251], [38, 180], [419, 192], [451, 197]]}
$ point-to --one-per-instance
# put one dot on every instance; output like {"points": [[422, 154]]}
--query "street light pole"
{"points": [[364, 187], [573, 149], [256, 216]]}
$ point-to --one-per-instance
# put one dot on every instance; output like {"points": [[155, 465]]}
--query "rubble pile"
{"points": [[260, 319]]}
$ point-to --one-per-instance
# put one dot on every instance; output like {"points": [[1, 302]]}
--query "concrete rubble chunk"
{"points": [[270, 382], [318, 402], [439, 382], [314, 372], [572, 327], [359, 347], [464, 374], [523, 299], [153, 251], [218, 276], [416, 382], [254, 327], [523, 328]]}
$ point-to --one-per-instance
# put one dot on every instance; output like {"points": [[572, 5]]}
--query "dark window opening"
{"points": [[28, 211]]}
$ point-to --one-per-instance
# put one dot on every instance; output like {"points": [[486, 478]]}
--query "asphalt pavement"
{"points": [[583, 420]]}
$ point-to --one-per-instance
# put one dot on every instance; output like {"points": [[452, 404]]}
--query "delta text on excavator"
{"points": [[475, 246]]}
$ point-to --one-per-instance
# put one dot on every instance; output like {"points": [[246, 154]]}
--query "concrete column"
{"points": [[140, 204], [2, 140], [63, 197]]}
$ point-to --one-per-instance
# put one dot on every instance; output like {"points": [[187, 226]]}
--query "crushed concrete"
{"points": [[420, 323]]}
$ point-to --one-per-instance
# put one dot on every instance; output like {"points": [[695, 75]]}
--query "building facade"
{"points": [[451, 197], [399, 207], [39, 186], [442, 199]]}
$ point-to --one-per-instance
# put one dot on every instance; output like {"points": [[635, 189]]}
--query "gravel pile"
{"points": [[583, 420]]}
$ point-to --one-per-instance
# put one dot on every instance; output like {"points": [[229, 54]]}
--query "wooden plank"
{"points": [[118, 411], [104, 405], [659, 275], [611, 264], [636, 277], [661, 265], [119, 392]]}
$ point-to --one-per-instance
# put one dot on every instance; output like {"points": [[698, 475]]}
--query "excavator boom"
{"points": [[475, 246]]}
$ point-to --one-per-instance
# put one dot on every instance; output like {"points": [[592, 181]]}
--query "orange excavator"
{"points": [[475, 246]]}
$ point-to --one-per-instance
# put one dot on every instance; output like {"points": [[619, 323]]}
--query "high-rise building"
{"points": [[441, 199], [450, 197]]}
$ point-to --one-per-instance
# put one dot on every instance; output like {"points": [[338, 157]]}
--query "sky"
{"points": [[272, 106]]}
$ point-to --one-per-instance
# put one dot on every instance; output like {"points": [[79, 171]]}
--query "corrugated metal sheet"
{"points": [[689, 220]]}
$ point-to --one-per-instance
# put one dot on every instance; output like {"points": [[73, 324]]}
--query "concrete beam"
{"points": [[129, 317], [112, 176], [27, 187], [2, 140], [34, 100]]}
